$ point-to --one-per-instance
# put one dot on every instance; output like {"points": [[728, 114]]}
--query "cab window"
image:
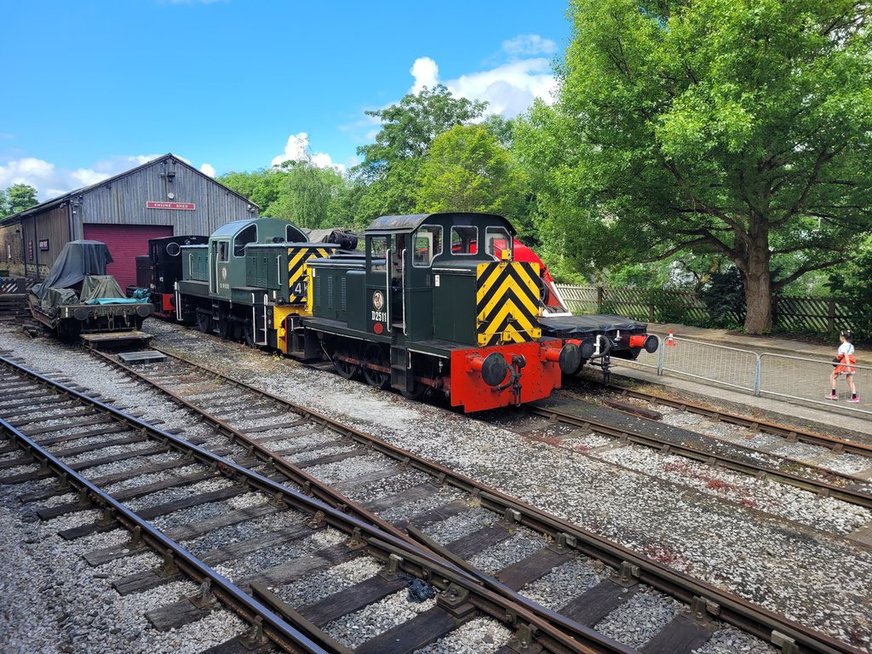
{"points": [[496, 240], [223, 251], [428, 245], [378, 245], [464, 239], [243, 238]]}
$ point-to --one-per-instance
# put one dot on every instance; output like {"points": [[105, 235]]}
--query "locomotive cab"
{"points": [[436, 303]]}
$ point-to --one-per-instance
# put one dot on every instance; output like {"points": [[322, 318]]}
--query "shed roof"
{"points": [[50, 204]]}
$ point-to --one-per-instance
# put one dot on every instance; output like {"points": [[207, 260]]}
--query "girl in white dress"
{"points": [[844, 364]]}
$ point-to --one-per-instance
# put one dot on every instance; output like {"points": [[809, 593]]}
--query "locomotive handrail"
{"points": [[403, 287], [279, 270], [388, 288]]}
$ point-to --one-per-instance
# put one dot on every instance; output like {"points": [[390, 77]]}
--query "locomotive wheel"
{"points": [[204, 322], [224, 327], [374, 355], [345, 369], [415, 394], [248, 334]]}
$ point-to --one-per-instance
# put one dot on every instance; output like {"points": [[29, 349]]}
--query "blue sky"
{"points": [[93, 88]]}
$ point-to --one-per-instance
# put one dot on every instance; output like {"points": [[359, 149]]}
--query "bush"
{"points": [[724, 297]]}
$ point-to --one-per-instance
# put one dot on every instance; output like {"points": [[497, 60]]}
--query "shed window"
{"points": [[428, 245], [464, 239], [378, 246], [246, 236], [497, 239]]}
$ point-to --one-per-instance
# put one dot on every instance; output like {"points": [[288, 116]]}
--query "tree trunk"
{"points": [[758, 285]]}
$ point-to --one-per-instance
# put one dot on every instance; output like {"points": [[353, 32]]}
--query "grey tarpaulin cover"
{"points": [[55, 297], [77, 259], [100, 286]]}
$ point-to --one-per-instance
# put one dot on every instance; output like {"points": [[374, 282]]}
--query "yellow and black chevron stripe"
{"points": [[507, 303], [297, 258]]}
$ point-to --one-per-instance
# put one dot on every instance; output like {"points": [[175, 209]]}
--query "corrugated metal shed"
{"points": [[165, 191]]}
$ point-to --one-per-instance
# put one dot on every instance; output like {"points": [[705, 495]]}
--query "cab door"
{"points": [[378, 284], [219, 273]]}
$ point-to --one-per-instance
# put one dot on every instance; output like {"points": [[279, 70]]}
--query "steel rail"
{"points": [[338, 500], [568, 636], [821, 487], [834, 443], [285, 635], [715, 602]]}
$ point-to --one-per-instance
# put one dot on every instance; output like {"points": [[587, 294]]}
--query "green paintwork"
{"points": [[439, 300]]}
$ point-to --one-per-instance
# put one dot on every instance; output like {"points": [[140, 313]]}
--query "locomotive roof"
{"points": [[412, 222], [233, 228]]}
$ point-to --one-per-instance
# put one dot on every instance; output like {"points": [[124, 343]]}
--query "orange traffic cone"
{"points": [[670, 340]]}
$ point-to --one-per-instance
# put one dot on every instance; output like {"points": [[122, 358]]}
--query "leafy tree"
{"points": [[17, 197], [296, 191], [739, 128], [390, 165], [306, 194], [468, 170], [263, 187], [850, 283], [573, 238], [501, 128]]}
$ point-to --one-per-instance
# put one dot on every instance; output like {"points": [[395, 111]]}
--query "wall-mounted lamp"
{"points": [[171, 175]]}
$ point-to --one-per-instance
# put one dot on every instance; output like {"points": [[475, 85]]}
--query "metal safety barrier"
{"points": [[801, 379], [808, 380]]}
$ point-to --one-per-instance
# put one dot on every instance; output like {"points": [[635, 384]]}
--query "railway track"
{"points": [[620, 426], [319, 444], [834, 445], [43, 409]]}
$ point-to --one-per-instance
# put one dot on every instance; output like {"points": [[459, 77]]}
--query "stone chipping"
{"points": [[659, 516], [712, 538]]}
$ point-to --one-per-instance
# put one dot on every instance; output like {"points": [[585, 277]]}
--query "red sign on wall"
{"points": [[180, 206]]}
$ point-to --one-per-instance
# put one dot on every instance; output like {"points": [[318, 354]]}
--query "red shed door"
{"points": [[125, 243]]}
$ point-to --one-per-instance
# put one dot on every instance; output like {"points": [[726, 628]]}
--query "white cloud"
{"points": [[208, 169], [529, 44], [87, 177], [508, 89], [426, 74], [52, 181], [297, 149]]}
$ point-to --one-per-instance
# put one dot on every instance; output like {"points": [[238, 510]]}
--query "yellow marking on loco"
{"points": [[507, 302], [280, 313], [297, 258]]}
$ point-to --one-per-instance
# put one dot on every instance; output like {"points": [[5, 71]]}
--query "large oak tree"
{"points": [[739, 127]]}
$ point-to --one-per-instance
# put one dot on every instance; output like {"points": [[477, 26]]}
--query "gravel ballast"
{"points": [[741, 550], [754, 553]]}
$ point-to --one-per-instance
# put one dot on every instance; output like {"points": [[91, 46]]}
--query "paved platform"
{"points": [[757, 343], [835, 414]]}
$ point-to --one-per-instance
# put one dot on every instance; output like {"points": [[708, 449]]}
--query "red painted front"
{"points": [[125, 243], [539, 378]]}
